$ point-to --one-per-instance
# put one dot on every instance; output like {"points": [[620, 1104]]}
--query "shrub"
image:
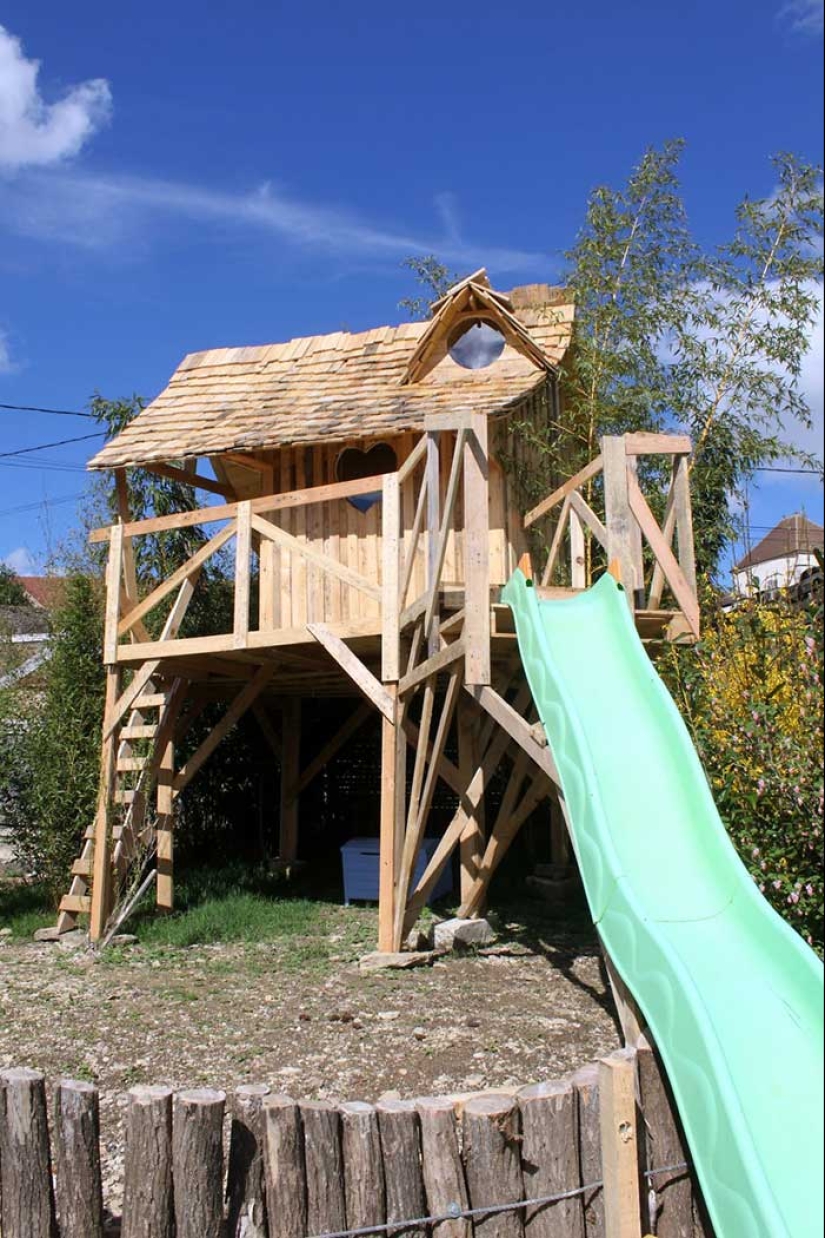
{"points": [[751, 694]]}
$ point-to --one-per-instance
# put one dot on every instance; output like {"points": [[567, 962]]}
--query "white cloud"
{"points": [[804, 16], [34, 132], [7, 365], [98, 211], [20, 561]]}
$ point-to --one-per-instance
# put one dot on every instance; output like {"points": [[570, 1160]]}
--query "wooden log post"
{"points": [[290, 773], [148, 1206], [586, 1086], [399, 1131], [245, 1175], [326, 1202], [478, 665], [443, 1172], [26, 1198], [624, 542], [197, 1162], [620, 1151], [550, 1159], [670, 1195], [284, 1174], [364, 1188], [79, 1187], [491, 1130]]}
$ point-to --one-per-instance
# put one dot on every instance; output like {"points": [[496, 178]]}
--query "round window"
{"points": [[476, 345]]}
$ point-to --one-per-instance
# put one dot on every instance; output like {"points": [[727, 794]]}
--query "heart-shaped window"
{"points": [[354, 463]]}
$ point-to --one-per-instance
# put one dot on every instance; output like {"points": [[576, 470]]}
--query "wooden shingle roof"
{"points": [[328, 388]]}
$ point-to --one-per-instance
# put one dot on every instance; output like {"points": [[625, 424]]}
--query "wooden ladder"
{"points": [[134, 778]]}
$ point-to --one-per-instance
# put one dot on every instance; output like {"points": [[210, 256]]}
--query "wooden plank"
{"points": [[478, 668], [164, 828], [619, 1141], [432, 666], [290, 770], [586, 514], [445, 767], [555, 545], [642, 443], [657, 582], [433, 481], [472, 890], [76, 904], [243, 551], [177, 578], [293, 544], [578, 479], [504, 831], [435, 423], [236, 710], [390, 588], [393, 791], [269, 503], [472, 836], [622, 535], [102, 869], [188, 479], [413, 460], [516, 727], [112, 609], [685, 598], [196, 646], [352, 666], [578, 563], [684, 522], [412, 548]]}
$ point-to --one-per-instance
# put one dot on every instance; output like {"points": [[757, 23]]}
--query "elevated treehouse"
{"points": [[372, 488]]}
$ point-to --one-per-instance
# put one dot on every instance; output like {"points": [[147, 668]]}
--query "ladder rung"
{"points": [[82, 867], [126, 796], [75, 903], [127, 764], [139, 732], [150, 700]]}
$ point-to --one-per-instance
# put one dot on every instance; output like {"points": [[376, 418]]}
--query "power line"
{"points": [[773, 468], [80, 438], [29, 507], [55, 412]]}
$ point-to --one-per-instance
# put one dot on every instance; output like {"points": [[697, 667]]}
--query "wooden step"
{"points": [[139, 732], [125, 796], [127, 764], [150, 700], [75, 904], [82, 867]]}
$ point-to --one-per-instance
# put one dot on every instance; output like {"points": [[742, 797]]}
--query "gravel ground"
{"points": [[299, 1015]]}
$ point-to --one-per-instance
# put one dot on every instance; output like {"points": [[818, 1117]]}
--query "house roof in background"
{"points": [[44, 592], [334, 387], [793, 535]]}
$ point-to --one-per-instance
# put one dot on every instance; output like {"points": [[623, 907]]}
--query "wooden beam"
{"points": [[444, 658], [516, 727], [177, 578], [390, 588], [578, 479], [264, 503], [236, 710], [243, 551], [555, 545], [290, 770], [586, 514], [619, 1143], [472, 839], [271, 732], [186, 478], [433, 483], [624, 542], [393, 761], [327, 564], [102, 868], [684, 522], [112, 611], [445, 767], [641, 443], [352, 666], [437, 565], [478, 669], [197, 646], [334, 745], [164, 829], [674, 575], [415, 535], [578, 563], [413, 460]]}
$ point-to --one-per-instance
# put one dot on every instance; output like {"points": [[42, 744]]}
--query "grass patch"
{"points": [[236, 916], [24, 907]]}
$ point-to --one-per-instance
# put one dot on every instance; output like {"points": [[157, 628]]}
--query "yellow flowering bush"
{"points": [[751, 694]]}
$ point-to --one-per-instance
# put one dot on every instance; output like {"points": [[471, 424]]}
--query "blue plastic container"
{"points": [[359, 858]]}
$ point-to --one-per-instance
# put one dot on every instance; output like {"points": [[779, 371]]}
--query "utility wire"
{"points": [[30, 507], [80, 438], [33, 408]]}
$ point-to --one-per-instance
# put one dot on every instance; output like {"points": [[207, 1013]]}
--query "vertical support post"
{"points": [[432, 474], [623, 544], [619, 1140], [112, 615], [269, 568], [684, 521], [102, 866], [130, 586], [578, 565], [165, 889], [391, 841], [476, 554], [473, 837], [390, 580], [290, 772], [243, 550]]}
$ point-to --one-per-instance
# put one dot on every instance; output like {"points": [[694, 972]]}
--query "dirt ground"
{"points": [[300, 1016]]}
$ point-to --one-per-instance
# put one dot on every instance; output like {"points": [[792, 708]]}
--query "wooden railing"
{"points": [[628, 521]]}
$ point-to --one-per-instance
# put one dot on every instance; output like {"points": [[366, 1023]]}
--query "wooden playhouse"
{"points": [[373, 488]]}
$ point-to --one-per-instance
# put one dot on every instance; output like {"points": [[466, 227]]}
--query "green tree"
{"points": [[12, 592], [433, 277]]}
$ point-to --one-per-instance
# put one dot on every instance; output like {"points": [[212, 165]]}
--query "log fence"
{"points": [[595, 1155]]}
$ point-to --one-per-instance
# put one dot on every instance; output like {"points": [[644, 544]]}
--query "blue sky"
{"points": [[178, 177]]}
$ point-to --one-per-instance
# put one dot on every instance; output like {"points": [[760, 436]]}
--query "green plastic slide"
{"points": [[733, 997]]}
